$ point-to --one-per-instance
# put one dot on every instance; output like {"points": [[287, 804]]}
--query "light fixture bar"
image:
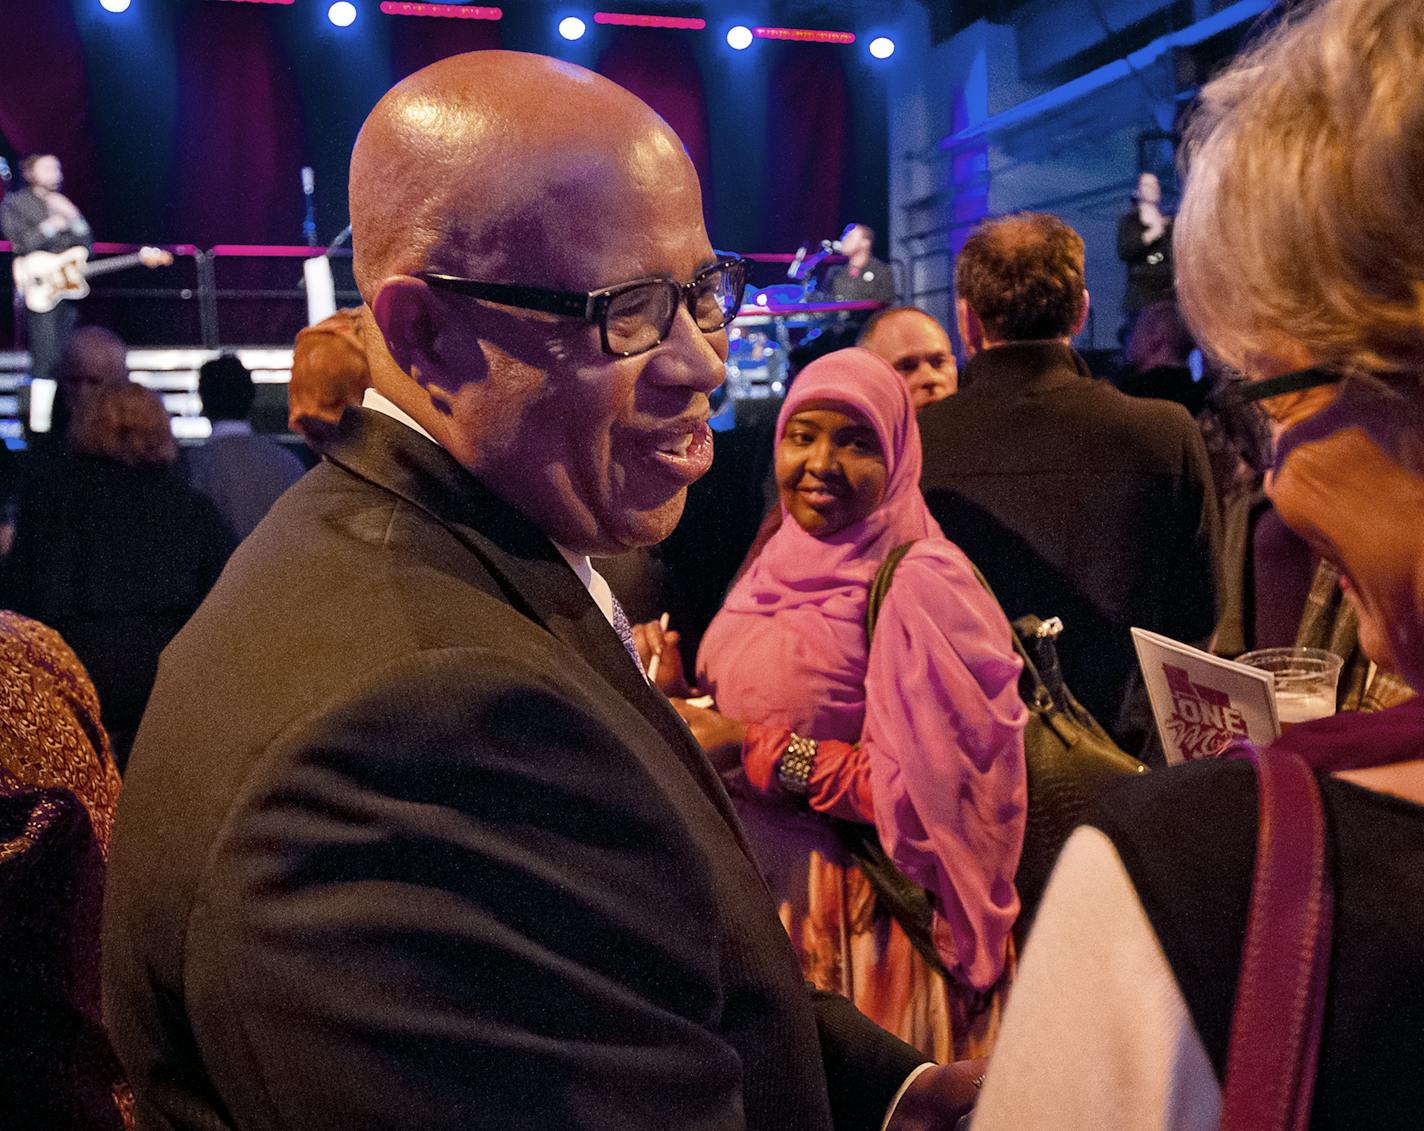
{"points": [[629, 19], [803, 35], [444, 11]]}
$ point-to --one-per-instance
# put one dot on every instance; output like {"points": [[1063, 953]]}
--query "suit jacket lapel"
{"points": [[530, 572]]}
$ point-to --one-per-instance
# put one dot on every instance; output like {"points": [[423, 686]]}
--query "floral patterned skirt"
{"points": [[849, 945]]}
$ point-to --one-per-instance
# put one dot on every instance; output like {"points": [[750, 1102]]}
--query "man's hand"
{"points": [[939, 1097], [720, 737], [653, 640]]}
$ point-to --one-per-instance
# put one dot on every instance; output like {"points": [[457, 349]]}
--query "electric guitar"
{"points": [[44, 278]]}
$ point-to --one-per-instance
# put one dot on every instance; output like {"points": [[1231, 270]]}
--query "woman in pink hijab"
{"points": [[920, 735]]}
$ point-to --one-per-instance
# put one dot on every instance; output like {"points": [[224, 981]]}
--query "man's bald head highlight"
{"points": [[484, 163]]}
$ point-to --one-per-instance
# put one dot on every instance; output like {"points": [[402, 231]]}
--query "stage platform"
{"points": [[170, 371]]}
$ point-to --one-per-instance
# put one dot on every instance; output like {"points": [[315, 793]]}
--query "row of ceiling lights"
{"points": [[343, 13]]}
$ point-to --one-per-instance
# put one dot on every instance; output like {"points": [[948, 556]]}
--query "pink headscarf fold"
{"points": [[935, 708]]}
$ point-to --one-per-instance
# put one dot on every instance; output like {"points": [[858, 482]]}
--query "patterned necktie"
{"points": [[625, 634]]}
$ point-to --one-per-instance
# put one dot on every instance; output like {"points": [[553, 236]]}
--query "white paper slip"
{"points": [[1202, 702]]}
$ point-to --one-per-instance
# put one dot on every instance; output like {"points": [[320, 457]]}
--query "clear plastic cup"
{"points": [[1304, 680]]}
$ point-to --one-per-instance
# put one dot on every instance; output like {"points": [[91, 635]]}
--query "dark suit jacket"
{"points": [[407, 841], [1079, 502], [115, 559]]}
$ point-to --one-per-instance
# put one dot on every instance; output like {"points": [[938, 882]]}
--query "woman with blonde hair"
{"points": [[1301, 261], [115, 550]]}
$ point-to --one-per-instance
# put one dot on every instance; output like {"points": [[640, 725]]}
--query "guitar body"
{"points": [[47, 278]]}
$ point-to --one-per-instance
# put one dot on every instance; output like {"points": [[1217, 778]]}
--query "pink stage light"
{"points": [[448, 11], [627, 19], [803, 35]]}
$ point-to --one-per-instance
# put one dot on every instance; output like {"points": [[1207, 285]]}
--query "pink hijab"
{"points": [[935, 707]]}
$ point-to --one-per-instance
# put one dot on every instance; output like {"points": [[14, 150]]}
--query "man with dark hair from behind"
{"points": [[241, 472], [1075, 500]]}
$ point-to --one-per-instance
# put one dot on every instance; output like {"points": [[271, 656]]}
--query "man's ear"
{"points": [[1082, 319], [402, 312], [971, 330]]}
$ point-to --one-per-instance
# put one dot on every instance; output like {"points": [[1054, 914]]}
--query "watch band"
{"points": [[793, 771]]}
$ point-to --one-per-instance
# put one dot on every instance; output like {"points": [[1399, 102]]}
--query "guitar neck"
{"points": [[112, 263]]}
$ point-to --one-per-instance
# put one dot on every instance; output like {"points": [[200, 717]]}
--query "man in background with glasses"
{"points": [[408, 839]]}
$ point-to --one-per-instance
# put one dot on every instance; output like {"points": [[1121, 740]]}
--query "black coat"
{"points": [[1150, 275], [407, 841], [1080, 502], [115, 559]]}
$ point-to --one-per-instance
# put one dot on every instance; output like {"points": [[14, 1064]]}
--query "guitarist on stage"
{"points": [[41, 218]]}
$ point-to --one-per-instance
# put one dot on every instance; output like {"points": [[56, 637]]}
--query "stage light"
{"points": [[342, 13], [571, 28], [882, 47], [739, 38], [115, 6]]}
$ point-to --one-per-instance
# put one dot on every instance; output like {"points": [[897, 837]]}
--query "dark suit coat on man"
{"points": [[407, 841], [1079, 502]]}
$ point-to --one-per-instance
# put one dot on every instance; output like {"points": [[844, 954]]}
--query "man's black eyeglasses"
{"points": [[631, 317]]}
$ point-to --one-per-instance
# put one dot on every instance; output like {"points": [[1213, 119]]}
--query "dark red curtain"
{"points": [[240, 138], [661, 68], [809, 135], [44, 97], [419, 41]]}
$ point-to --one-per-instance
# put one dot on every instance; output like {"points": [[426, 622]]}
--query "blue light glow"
{"points": [[571, 28], [115, 6], [342, 13], [882, 47]]}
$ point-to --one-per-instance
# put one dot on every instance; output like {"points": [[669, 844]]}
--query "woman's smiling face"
{"points": [[830, 468]]}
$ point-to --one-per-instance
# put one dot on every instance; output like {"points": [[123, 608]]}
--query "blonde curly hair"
{"points": [[1305, 193]]}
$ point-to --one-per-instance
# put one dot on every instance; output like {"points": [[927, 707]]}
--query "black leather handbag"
{"points": [[1070, 761]]}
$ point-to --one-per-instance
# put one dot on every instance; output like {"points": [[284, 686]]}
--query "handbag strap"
{"points": [[1285, 961], [880, 586], [1039, 698]]}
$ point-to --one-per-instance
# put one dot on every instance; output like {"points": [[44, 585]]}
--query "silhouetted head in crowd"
{"points": [[1020, 279], [917, 348], [93, 357], [329, 372], [1298, 246], [1159, 338], [125, 423], [225, 388], [597, 449]]}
